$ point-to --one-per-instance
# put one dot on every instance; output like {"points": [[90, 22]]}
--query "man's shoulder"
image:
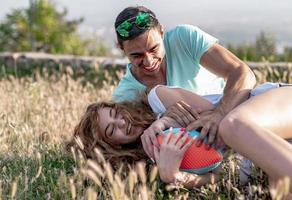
{"points": [[127, 87], [183, 28], [183, 33], [127, 81]]}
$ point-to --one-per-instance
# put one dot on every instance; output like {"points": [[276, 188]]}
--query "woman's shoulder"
{"points": [[159, 96], [161, 90], [155, 102]]}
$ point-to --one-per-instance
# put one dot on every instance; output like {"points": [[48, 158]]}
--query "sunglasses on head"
{"points": [[142, 21]]}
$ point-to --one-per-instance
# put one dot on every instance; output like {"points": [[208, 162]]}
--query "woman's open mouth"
{"points": [[129, 129]]}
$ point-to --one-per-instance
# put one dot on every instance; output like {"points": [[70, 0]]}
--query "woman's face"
{"points": [[115, 129], [146, 52]]}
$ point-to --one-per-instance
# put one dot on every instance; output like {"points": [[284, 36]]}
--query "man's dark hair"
{"points": [[129, 13]]}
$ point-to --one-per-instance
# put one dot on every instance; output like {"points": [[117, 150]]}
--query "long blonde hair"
{"points": [[138, 113]]}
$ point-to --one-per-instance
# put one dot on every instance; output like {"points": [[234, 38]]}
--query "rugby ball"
{"points": [[197, 160]]}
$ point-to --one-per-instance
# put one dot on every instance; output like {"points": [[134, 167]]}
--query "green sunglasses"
{"points": [[142, 21]]}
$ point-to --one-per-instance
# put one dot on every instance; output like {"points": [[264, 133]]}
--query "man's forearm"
{"points": [[239, 83]]}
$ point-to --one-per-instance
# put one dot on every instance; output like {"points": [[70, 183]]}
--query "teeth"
{"points": [[128, 129], [152, 67]]}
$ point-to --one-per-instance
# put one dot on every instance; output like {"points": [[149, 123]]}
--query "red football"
{"points": [[197, 160]]}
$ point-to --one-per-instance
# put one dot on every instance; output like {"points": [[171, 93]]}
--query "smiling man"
{"points": [[185, 57], [168, 58]]}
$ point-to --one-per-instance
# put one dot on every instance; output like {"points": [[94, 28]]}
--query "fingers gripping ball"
{"points": [[197, 160]]}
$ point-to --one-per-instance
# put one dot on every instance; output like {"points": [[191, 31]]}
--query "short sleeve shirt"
{"points": [[184, 46]]}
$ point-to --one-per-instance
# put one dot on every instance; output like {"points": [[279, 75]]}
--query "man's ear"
{"points": [[120, 46], [162, 31]]}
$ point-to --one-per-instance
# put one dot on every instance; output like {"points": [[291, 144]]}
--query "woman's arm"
{"points": [[148, 137], [170, 96], [169, 157], [191, 181]]}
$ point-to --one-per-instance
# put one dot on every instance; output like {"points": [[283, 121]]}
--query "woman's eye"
{"points": [[115, 113], [110, 131]]}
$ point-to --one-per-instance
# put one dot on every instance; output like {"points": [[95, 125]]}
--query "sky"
{"points": [[231, 21]]}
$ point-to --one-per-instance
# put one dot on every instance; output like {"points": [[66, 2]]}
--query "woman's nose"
{"points": [[120, 122]]}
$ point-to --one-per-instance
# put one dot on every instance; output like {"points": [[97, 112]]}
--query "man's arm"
{"points": [[239, 81]]}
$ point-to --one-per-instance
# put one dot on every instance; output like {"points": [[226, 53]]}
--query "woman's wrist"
{"points": [[166, 176]]}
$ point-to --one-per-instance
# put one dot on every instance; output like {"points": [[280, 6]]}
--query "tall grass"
{"points": [[37, 116]]}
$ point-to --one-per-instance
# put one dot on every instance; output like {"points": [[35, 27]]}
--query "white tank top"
{"points": [[158, 107]]}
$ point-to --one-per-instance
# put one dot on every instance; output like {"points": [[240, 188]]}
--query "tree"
{"points": [[265, 45], [41, 27], [244, 51], [287, 54], [263, 48]]}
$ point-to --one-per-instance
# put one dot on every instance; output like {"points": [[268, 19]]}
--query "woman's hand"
{"points": [[170, 154], [148, 137]]}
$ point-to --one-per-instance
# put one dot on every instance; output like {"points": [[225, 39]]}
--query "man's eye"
{"points": [[136, 56], [154, 49]]}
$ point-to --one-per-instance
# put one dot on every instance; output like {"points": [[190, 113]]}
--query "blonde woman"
{"points": [[257, 129]]}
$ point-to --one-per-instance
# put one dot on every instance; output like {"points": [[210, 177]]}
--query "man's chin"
{"points": [[152, 69]]}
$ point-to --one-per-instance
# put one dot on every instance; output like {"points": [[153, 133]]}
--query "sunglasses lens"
{"points": [[126, 25], [124, 28], [143, 20]]}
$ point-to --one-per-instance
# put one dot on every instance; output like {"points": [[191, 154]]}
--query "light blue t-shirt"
{"points": [[184, 46]]}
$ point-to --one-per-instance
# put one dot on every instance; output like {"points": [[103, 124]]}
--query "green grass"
{"points": [[37, 117]]}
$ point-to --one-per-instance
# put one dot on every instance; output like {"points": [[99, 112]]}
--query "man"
{"points": [[178, 58]]}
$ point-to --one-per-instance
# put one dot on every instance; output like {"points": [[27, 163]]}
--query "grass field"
{"points": [[37, 117]]}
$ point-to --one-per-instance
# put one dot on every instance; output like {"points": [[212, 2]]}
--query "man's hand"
{"points": [[208, 123], [182, 113]]}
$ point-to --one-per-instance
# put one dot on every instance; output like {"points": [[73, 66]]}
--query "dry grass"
{"points": [[38, 115]]}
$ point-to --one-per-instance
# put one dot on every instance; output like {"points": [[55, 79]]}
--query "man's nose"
{"points": [[148, 59]]}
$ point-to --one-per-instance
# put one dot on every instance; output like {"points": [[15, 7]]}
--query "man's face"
{"points": [[146, 52]]}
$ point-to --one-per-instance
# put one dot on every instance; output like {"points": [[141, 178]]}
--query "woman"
{"points": [[116, 129]]}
